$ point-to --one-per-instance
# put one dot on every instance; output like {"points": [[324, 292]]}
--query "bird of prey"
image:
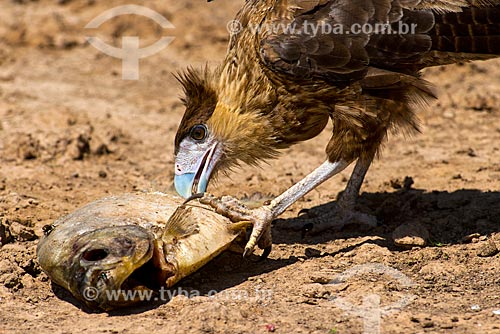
{"points": [[293, 65]]}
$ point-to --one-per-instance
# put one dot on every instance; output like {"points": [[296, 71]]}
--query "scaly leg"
{"points": [[262, 217], [345, 213], [351, 192]]}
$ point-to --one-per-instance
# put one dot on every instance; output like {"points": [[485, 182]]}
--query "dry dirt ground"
{"points": [[72, 131]]}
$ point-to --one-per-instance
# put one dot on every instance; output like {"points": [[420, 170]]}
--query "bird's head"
{"points": [[219, 130]]}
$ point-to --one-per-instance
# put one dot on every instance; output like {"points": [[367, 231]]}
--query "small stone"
{"points": [[103, 174], [410, 235], [102, 149], [487, 249], [471, 153], [320, 279], [79, 146], [312, 252], [271, 328], [395, 184], [11, 281], [27, 281], [471, 238], [5, 236], [496, 312], [475, 307], [428, 324], [22, 233], [408, 182]]}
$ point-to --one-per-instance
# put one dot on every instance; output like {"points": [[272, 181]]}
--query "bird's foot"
{"points": [[260, 218], [335, 220]]}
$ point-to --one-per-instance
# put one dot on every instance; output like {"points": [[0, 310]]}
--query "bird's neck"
{"points": [[241, 117]]}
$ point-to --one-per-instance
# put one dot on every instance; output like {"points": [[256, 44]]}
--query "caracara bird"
{"points": [[285, 76]]}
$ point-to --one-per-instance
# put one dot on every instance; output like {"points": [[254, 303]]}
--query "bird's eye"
{"points": [[199, 132]]}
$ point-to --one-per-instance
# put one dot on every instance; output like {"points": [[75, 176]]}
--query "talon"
{"points": [[247, 252], [193, 197], [250, 244], [260, 218], [303, 212], [265, 253]]}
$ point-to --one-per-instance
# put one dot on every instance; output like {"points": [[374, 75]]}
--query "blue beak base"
{"points": [[184, 184]]}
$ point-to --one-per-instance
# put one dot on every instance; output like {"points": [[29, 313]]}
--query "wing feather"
{"points": [[309, 48]]}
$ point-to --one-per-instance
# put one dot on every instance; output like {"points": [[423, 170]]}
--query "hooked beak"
{"points": [[195, 180]]}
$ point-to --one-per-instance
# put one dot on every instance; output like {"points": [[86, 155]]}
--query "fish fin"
{"points": [[236, 248], [240, 226], [180, 225], [166, 269]]}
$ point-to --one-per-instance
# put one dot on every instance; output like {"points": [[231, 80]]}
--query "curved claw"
{"points": [[261, 236], [250, 246], [265, 253], [193, 197], [233, 209]]}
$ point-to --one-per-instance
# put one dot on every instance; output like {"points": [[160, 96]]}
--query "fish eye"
{"points": [[94, 255], [198, 132], [104, 276]]}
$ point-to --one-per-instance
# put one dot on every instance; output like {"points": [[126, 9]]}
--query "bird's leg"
{"points": [[345, 212], [350, 195], [262, 217]]}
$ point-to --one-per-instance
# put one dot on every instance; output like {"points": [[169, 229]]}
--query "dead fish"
{"points": [[132, 242]]}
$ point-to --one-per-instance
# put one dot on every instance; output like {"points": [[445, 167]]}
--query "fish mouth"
{"points": [[118, 267]]}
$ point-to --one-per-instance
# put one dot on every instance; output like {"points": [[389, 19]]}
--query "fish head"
{"points": [[104, 262], [118, 251], [105, 267]]}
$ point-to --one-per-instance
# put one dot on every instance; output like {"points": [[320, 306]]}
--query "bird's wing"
{"points": [[441, 6], [297, 36]]}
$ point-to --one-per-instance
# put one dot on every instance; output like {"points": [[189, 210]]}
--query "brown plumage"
{"points": [[284, 77]]}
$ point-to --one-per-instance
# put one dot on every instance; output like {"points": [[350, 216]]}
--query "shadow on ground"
{"points": [[448, 217]]}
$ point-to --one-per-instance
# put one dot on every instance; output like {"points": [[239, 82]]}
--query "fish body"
{"points": [[131, 242]]}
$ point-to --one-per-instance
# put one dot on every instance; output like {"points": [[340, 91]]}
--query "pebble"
{"points": [[410, 235], [474, 237], [271, 328], [487, 249], [22, 233], [320, 279], [5, 236], [312, 252], [428, 324]]}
